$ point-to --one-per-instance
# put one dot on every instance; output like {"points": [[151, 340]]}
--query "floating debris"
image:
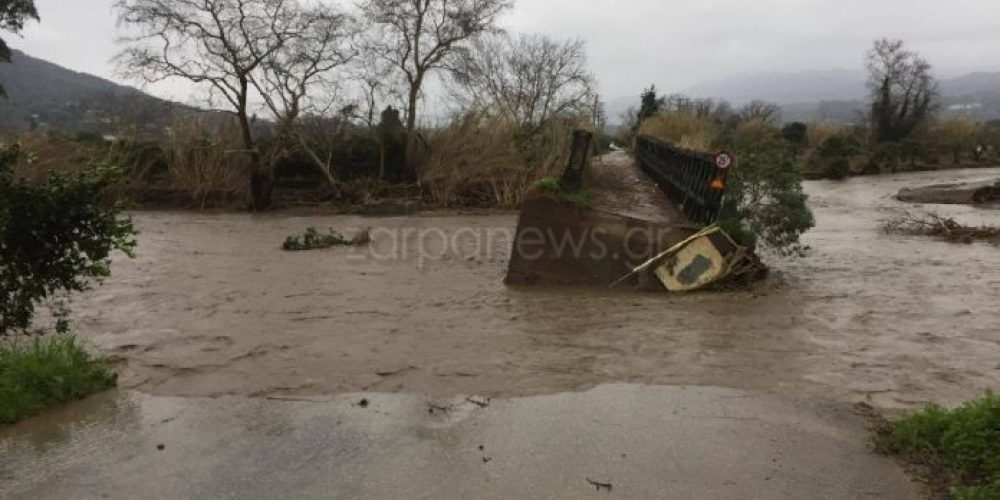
{"points": [[600, 485], [707, 257], [312, 239], [947, 228]]}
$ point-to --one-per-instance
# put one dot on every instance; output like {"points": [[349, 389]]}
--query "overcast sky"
{"points": [[631, 43]]}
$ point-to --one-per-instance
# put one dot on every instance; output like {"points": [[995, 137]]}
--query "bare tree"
{"points": [[218, 43], [417, 37], [298, 78], [375, 91], [766, 112], [527, 78], [903, 91]]}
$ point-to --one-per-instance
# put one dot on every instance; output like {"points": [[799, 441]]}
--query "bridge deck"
{"points": [[621, 188]]}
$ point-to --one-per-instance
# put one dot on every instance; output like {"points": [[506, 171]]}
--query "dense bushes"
{"points": [[476, 160], [56, 236], [764, 204], [206, 161], [838, 151], [833, 157], [482, 160]]}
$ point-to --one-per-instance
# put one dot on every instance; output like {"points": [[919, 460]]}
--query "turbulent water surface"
{"points": [[212, 306]]}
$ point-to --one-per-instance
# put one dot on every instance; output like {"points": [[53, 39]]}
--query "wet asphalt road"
{"points": [[616, 441]]}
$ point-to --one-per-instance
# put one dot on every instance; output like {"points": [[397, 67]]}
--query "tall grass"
{"points": [[961, 444], [685, 130], [481, 160], [40, 372]]}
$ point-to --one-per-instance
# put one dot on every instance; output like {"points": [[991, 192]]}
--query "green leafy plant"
{"points": [[39, 372], [56, 237], [312, 239], [835, 156], [764, 202], [961, 444]]}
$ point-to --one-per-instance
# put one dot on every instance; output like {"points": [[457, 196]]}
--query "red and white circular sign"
{"points": [[723, 160]]}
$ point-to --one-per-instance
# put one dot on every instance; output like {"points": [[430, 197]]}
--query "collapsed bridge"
{"points": [[634, 212]]}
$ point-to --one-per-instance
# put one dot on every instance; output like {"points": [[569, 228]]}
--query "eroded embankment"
{"points": [[213, 306]]}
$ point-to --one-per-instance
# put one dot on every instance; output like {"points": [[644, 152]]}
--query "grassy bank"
{"points": [[958, 449], [41, 372]]}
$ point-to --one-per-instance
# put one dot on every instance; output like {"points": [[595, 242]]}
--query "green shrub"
{"points": [[964, 442], [549, 184], [39, 372], [56, 237], [764, 203], [835, 156]]}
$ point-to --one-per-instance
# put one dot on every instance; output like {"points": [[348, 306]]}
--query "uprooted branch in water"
{"points": [[947, 228], [312, 239]]}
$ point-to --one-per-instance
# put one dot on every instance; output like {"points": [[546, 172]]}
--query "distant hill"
{"points": [[837, 95], [785, 88], [973, 84], [43, 95]]}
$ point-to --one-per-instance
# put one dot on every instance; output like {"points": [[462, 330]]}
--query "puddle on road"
{"points": [[212, 307]]}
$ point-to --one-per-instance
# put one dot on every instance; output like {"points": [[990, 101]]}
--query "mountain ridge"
{"points": [[835, 94], [43, 95]]}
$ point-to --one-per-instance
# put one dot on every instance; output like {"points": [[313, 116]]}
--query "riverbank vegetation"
{"points": [[36, 373], [56, 237], [311, 106], [958, 449]]}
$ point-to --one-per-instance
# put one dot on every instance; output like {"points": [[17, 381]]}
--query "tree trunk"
{"points": [[410, 151], [261, 183], [381, 160]]}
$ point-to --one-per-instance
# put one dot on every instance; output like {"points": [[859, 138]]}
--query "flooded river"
{"points": [[212, 306]]}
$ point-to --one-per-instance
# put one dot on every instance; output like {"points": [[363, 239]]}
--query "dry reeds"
{"points": [[206, 161], [685, 130], [480, 160]]}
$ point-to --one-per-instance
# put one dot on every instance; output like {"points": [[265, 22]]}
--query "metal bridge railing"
{"points": [[696, 181]]}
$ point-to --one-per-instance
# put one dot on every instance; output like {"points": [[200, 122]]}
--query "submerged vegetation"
{"points": [[959, 448], [312, 239], [40, 372], [946, 228]]}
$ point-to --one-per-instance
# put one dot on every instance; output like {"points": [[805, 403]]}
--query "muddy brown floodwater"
{"points": [[212, 306]]}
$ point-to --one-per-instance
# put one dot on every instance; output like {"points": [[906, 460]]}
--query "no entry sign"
{"points": [[723, 160]]}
